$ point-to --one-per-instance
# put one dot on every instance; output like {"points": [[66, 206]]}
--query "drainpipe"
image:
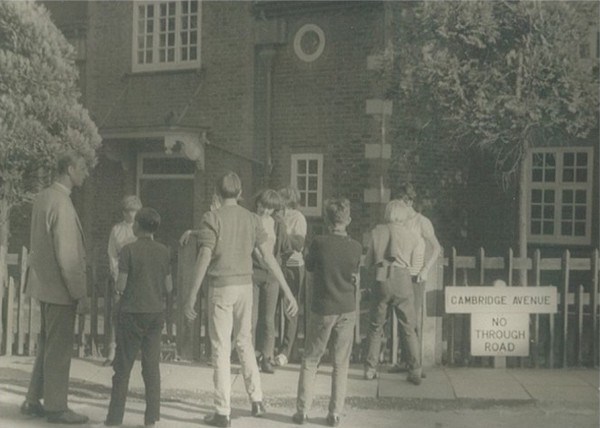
{"points": [[266, 55]]}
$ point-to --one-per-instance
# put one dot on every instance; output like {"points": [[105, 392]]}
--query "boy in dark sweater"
{"points": [[144, 277], [334, 261]]}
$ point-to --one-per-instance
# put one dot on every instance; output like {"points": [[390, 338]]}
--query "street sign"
{"points": [[500, 335], [530, 300]]}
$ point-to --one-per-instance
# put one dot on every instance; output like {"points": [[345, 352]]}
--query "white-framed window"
{"points": [[156, 165], [560, 195], [166, 35], [307, 177]]}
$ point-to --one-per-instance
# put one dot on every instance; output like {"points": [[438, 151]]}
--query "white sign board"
{"points": [[500, 335], [486, 300]]}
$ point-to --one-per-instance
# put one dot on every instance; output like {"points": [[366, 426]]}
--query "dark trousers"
{"points": [[397, 292], [295, 278], [136, 331], [265, 295], [50, 375]]}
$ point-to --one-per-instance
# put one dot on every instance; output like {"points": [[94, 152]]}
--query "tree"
{"points": [[502, 76], [40, 115]]}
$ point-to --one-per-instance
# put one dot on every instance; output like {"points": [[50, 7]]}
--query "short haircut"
{"points": [[131, 203], [229, 186], [290, 196], [406, 192], [65, 160], [148, 219], [394, 210], [269, 198], [337, 211]]}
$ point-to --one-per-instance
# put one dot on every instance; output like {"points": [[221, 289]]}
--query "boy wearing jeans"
{"points": [[144, 277], [334, 261]]}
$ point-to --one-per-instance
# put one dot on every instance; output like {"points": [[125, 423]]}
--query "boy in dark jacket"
{"points": [[144, 277], [334, 261]]}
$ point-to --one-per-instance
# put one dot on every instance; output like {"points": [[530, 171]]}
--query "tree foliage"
{"points": [[40, 113], [499, 75]]}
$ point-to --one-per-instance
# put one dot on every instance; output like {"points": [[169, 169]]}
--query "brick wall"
{"points": [[320, 106]]}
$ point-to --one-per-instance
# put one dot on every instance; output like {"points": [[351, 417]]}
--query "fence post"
{"points": [[594, 305], [10, 316], [565, 293], [21, 314], [536, 319]]}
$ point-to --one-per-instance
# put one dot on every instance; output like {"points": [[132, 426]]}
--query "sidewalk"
{"points": [[444, 387]]}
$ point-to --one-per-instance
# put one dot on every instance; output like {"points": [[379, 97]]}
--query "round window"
{"points": [[309, 42]]}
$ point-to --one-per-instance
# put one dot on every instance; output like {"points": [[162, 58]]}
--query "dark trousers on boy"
{"points": [[320, 328], [295, 277], [137, 331], [397, 292]]}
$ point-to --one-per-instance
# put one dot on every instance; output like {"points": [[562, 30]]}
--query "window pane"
{"points": [[162, 41], [536, 212], [184, 7], [142, 11], [581, 175], [548, 228], [141, 27], [184, 23], [550, 159], [549, 175], [580, 213], [536, 175], [549, 196], [568, 175], [194, 6], [567, 212], [150, 11], [303, 199], [194, 37], [163, 9], [171, 39], [312, 183], [170, 166], [150, 27], [184, 54], [536, 195], [302, 183], [579, 229], [567, 196], [537, 160], [194, 22], [171, 55], [161, 55], [149, 57], [549, 212], [580, 197], [193, 54], [312, 199], [302, 166], [566, 228], [536, 227], [141, 42], [569, 159], [581, 159], [140, 57], [313, 167], [184, 38], [172, 8]]}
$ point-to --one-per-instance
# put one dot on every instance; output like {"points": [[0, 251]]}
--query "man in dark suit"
{"points": [[57, 279]]}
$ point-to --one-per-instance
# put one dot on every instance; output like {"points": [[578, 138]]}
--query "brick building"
{"points": [[282, 92]]}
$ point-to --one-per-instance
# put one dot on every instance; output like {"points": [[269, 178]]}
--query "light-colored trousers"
{"points": [[230, 310]]}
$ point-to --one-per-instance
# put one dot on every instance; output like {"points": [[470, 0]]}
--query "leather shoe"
{"points": [[300, 418], [68, 417], [266, 366], [332, 420], [258, 409], [32, 408], [414, 378], [217, 420]]}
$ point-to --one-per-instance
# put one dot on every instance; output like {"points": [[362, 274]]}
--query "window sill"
{"points": [[146, 73]]}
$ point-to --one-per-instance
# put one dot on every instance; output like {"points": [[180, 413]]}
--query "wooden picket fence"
{"points": [[568, 338], [565, 339]]}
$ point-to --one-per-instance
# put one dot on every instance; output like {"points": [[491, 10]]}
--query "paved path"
{"points": [[447, 398]]}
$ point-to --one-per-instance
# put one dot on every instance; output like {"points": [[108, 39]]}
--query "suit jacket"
{"points": [[57, 272]]}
